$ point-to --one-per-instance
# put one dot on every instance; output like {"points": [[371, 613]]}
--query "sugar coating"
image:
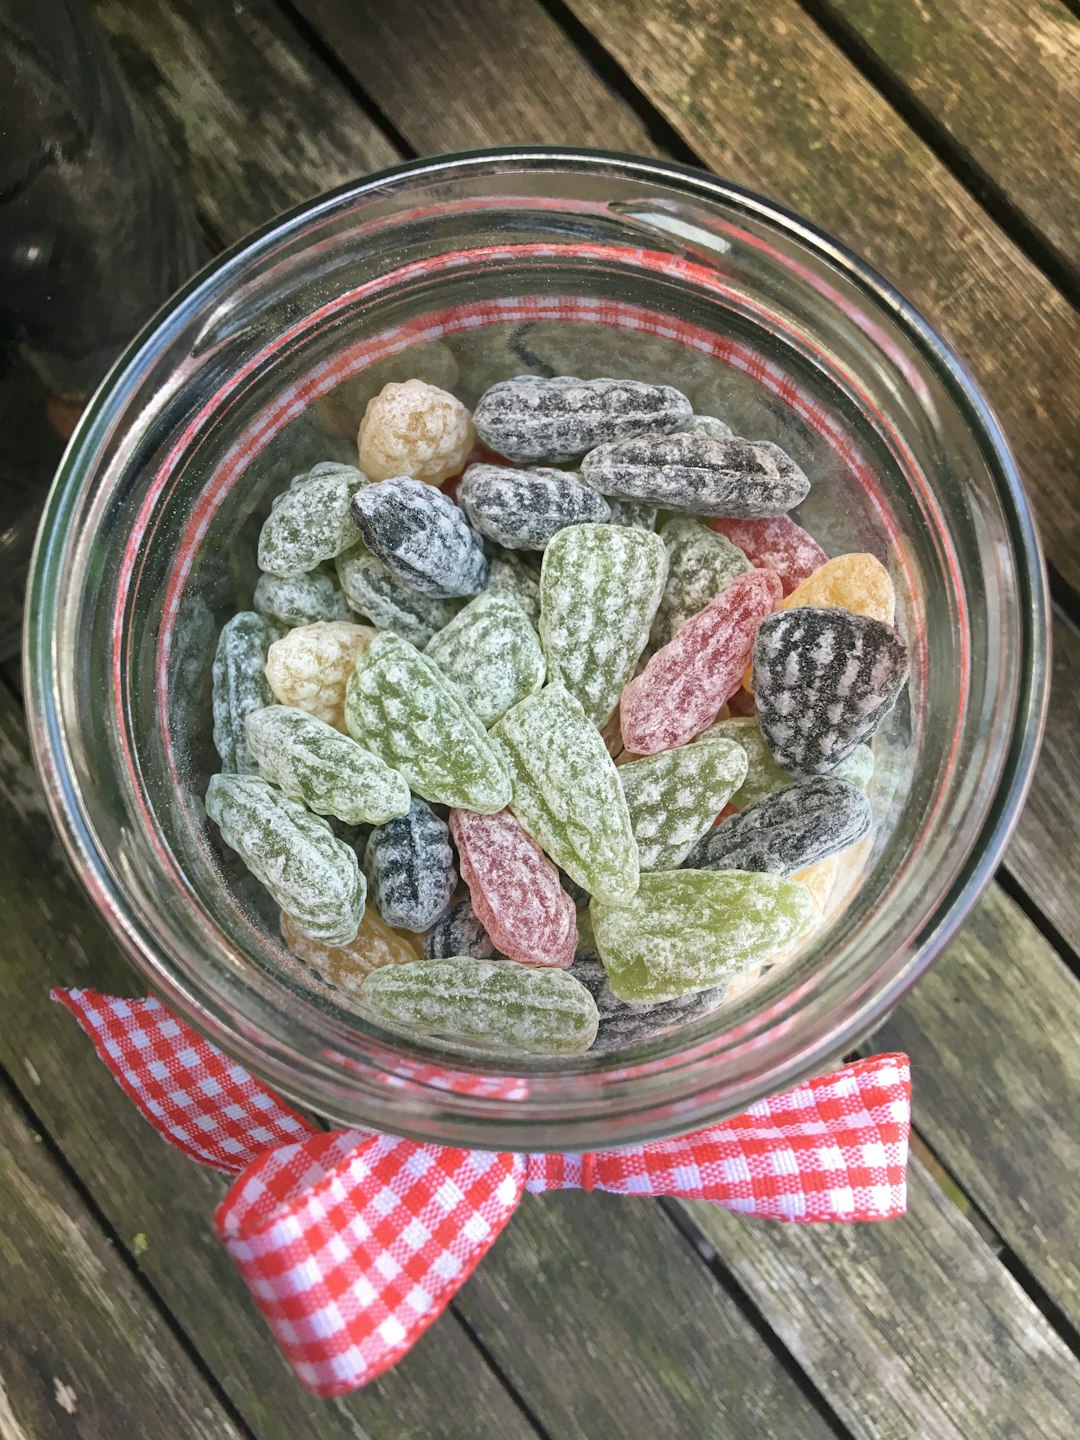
{"points": [[633, 513], [310, 666], [622, 1025], [312, 876], [388, 601], [709, 425], [533, 419], [309, 522], [819, 880], [515, 889], [401, 707], [701, 564], [600, 586], [698, 473], [523, 509], [675, 797], [492, 653], [824, 679], [566, 792], [410, 869], [858, 582], [775, 543], [342, 968], [421, 537], [787, 830], [333, 775], [461, 933], [507, 571], [300, 599], [690, 930], [487, 1003], [763, 775], [240, 686], [681, 689], [415, 429]]}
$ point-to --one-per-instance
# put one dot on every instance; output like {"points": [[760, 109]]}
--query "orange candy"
{"points": [[344, 966]]}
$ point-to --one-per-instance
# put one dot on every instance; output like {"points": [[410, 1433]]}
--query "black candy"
{"points": [[409, 865], [524, 509], [461, 933], [421, 536], [784, 832], [622, 1024]]}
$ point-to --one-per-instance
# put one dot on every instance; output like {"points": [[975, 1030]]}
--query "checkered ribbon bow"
{"points": [[352, 1242]]}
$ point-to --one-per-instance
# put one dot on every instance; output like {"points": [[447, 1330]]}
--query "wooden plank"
{"points": [[1002, 78], [85, 1351], [911, 1328], [147, 1190]]}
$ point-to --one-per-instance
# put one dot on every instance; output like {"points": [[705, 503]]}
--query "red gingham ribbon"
{"points": [[353, 1242]]}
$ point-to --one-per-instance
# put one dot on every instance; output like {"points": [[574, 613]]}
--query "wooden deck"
{"points": [[940, 140]]}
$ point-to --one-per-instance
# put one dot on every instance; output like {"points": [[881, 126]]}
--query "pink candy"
{"points": [[775, 544], [515, 889], [682, 688]]}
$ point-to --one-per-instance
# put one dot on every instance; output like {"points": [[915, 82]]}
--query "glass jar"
{"points": [[463, 271]]}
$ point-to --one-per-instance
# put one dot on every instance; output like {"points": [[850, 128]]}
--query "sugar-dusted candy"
{"points": [[622, 1025], [824, 679], [309, 522], [312, 876], [775, 543], [240, 685], [685, 683], [700, 565], [819, 880], [763, 775], [689, 930], [421, 536], [787, 830], [698, 473], [858, 582], [342, 967], [492, 653], [573, 889], [632, 512], [485, 1003], [566, 792], [410, 869], [509, 572], [523, 509], [461, 933], [709, 425], [674, 797], [415, 429], [300, 599], [388, 601], [515, 889], [401, 707], [309, 667], [531, 419], [599, 590], [333, 775]]}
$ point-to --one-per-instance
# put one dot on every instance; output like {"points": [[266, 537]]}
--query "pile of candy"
{"points": [[642, 757]]}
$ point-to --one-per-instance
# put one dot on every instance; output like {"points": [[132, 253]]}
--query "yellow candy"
{"points": [[344, 966], [310, 666], [819, 879]]}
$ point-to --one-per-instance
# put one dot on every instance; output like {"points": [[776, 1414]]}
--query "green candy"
{"points": [[312, 876], [491, 652], [401, 707], [509, 572], [675, 796], [763, 775], [300, 599], [566, 792], [388, 602], [599, 589], [333, 775], [688, 930], [701, 564], [240, 686], [309, 522], [491, 1003]]}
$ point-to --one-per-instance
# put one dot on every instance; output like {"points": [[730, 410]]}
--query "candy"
{"points": [[819, 880], [630, 512], [523, 509], [312, 876], [599, 589], [858, 582], [410, 869], [566, 792], [461, 933], [421, 537], [775, 543], [681, 689], [515, 889], [240, 685], [674, 797], [300, 599], [401, 707], [698, 473], [388, 602], [533, 419], [622, 1025], [309, 522], [486, 1003], [508, 572], [492, 654], [763, 775], [700, 566], [788, 830], [333, 775], [824, 679], [343, 967], [689, 930], [414, 429], [310, 665], [709, 425]]}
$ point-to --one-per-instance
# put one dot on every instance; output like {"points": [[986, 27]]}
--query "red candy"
{"points": [[775, 544], [515, 889], [682, 688]]}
